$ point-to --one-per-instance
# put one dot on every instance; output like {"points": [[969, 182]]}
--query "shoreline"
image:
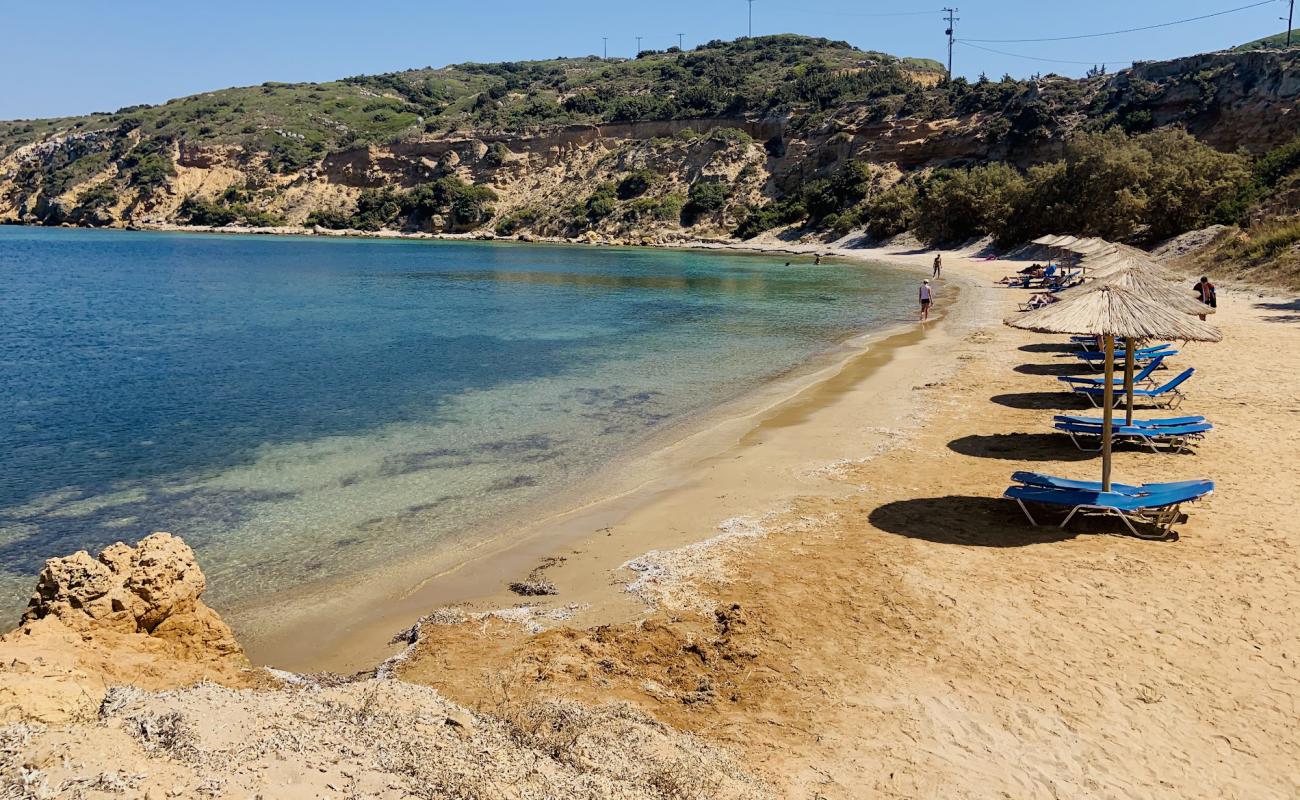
{"points": [[651, 498]]}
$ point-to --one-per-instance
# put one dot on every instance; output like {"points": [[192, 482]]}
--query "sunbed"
{"points": [[1161, 508], [1166, 422], [1041, 481], [1141, 354], [1177, 439], [1165, 396], [1142, 377]]}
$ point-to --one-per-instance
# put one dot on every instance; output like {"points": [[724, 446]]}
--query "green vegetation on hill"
{"points": [[296, 123], [1145, 187], [1277, 42]]}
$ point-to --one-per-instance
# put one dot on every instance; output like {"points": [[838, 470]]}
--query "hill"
{"points": [[731, 139], [1277, 42]]}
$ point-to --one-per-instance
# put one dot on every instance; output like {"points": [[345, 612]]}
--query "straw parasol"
{"points": [[1046, 240], [1114, 312], [1151, 283]]}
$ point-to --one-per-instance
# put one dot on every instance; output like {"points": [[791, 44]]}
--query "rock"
{"points": [[132, 588], [132, 616]]}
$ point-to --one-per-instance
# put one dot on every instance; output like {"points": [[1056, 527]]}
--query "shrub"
{"points": [[635, 184], [519, 219], [329, 218], [892, 211], [957, 205], [705, 196], [99, 196], [202, 212]]}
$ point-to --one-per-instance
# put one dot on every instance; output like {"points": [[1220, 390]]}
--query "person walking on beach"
{"points": [[927, 299], [938, 265], [1206, 293]]}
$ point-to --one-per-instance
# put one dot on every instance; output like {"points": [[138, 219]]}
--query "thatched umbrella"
{"points": [[1147, 283], [1046, 241], [1114, 312]]}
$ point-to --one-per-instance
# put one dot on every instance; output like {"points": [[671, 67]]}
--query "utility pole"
{"points": [[679, 40], [1290, 22], [605, 39], [751, 18], [638, 47], [952, 21]]}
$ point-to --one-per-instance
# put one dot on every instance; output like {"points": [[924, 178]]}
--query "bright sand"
{"points": [[887, 626]]}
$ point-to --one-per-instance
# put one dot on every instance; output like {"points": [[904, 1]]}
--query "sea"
{"points": [[300, 409]]}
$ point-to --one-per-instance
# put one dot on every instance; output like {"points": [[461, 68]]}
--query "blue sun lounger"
{"points": [[1142, 377], [1167, 422], [1166, 396], [1042, 481], [1160, 508], [1178, 439], [1142, 353]]}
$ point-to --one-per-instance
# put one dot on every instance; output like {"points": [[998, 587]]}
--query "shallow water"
{"points": [[302, 408]]}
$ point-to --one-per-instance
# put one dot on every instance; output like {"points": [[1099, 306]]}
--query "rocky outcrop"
{"points": [[132, 616]]}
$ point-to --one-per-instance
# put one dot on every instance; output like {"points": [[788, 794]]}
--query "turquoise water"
{"points": [[299, 408]]}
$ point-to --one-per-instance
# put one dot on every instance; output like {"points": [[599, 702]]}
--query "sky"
{"points": [[78, 56]]}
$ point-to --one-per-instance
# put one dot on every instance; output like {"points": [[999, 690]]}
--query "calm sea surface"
{"points": [[300, 408]]}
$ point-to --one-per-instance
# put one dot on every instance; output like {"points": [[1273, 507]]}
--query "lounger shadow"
{"points": [[1020, 447], [966, 521]]}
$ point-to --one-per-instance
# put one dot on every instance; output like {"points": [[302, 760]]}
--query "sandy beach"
{"points": [[907, 634]]}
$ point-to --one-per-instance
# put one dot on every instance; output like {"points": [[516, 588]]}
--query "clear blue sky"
{"points": [[79, 56]]}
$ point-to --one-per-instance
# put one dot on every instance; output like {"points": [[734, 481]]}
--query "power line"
{"points": [[1128, 30], [1037, 58], [871, 16]]}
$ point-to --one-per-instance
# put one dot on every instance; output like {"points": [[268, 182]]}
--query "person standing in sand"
{"points": [[1206, 293], [927, 300], [938, 265]]}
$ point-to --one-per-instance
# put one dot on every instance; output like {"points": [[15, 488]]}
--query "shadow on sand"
{"points": [[1048, 348], [969, 521], [1293, 307], [1020, 447], [1055, 369], [1044, 401]]}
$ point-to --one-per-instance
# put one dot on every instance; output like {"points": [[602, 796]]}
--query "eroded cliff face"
{"points": [[134, 615], [1233, 101]]}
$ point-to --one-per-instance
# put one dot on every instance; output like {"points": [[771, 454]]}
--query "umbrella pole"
{"points": [[1108, 415], [1129, 344]]}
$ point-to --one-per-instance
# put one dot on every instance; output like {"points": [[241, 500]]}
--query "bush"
{"points": [[148, 169], [893, 211], [635, 184], [202, 212], [956, 205], [662, 209], [331, 219], [97, 197], [497, 154], [705, 196], [522, 218]]}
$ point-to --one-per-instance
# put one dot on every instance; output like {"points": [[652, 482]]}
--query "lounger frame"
{"points": [[1163, 518]]}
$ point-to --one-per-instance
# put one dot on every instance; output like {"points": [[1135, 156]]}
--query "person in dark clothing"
{"points": [[1206, 293]]}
